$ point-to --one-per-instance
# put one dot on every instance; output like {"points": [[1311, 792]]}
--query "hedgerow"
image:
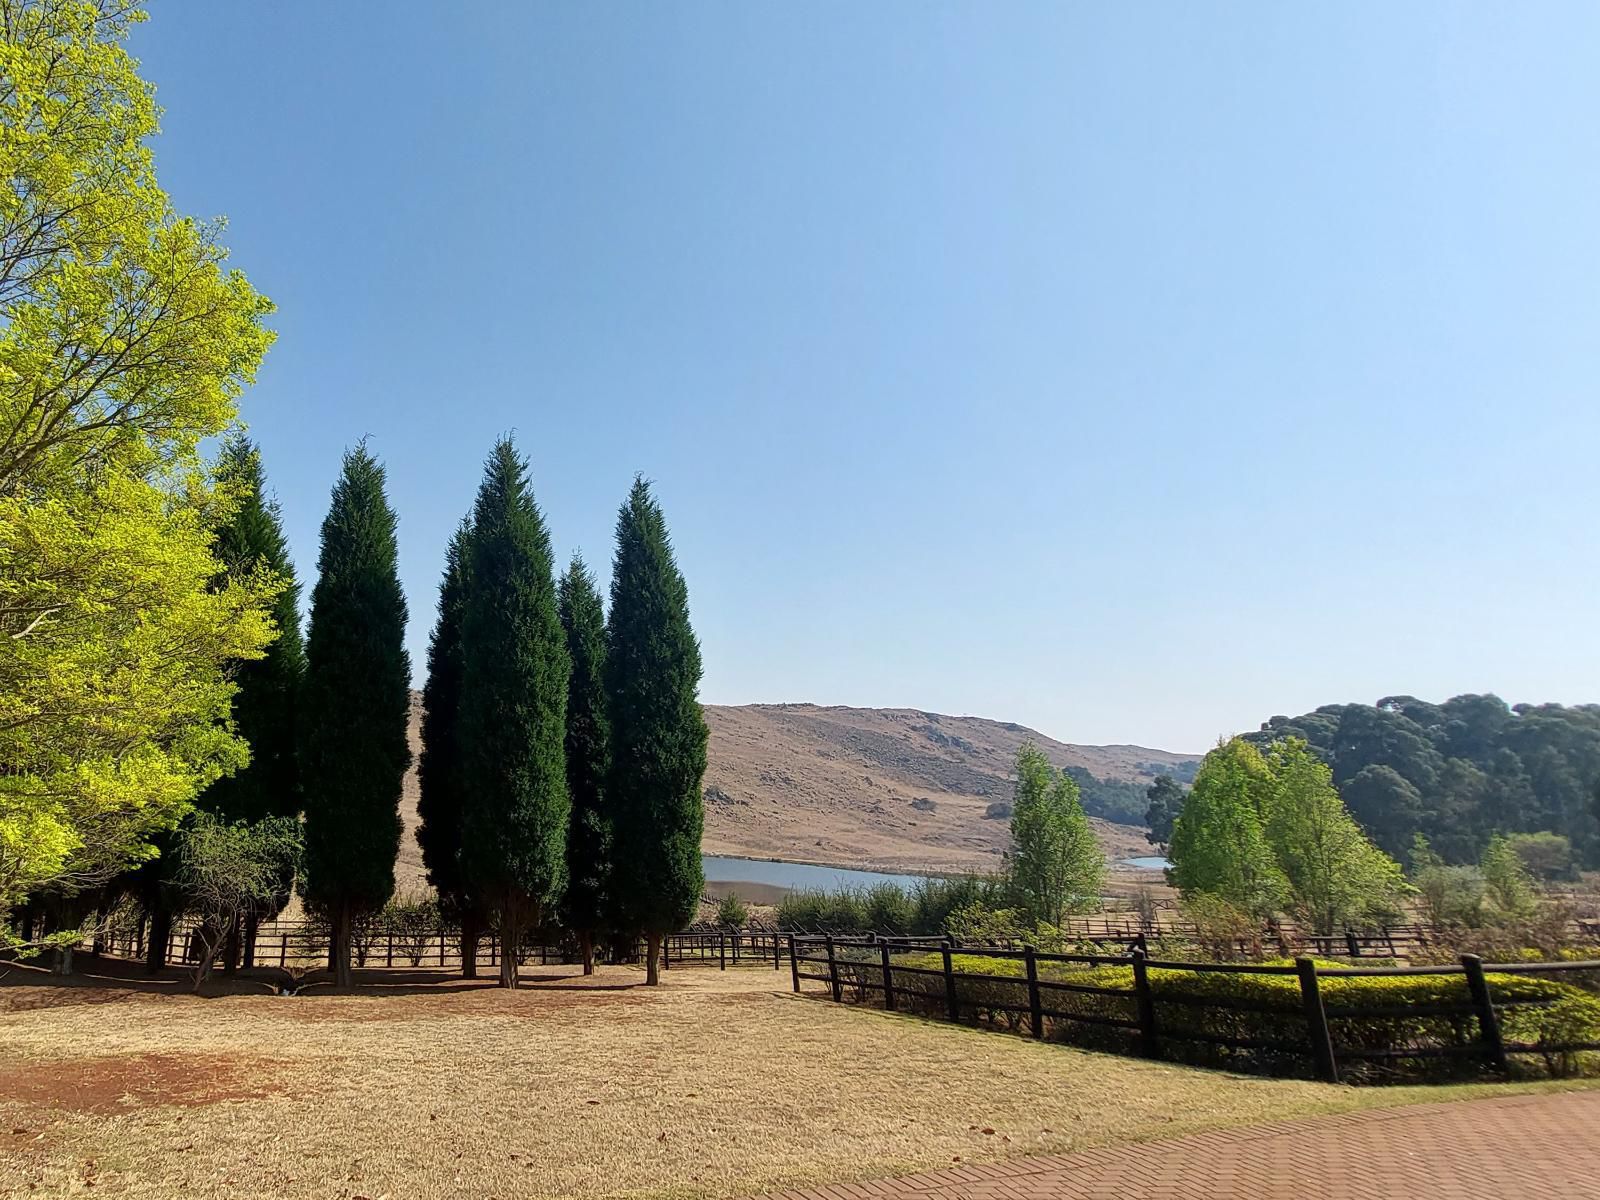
{"points": [[1199, 1013]]}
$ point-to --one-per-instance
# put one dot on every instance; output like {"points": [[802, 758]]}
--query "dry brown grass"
{"points": [[714, 1085]]}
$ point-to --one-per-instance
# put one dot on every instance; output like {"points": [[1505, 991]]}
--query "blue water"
{"points": [[1149, 862], [796, 875]]}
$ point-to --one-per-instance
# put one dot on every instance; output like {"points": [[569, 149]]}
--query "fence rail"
{"points": [[1299, 1026]]}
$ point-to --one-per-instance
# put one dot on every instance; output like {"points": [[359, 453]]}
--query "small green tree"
{"points": [[731, 912], [588, 746], [356, 705], [1510, 888], [513, 710], [1219, 843], [1334, 875], [441, 795], [229, 869], [658, 732], [1055, 862], [1166, 797]]}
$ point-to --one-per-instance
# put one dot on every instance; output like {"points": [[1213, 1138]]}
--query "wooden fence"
{"points": [[299, 945], [1137, 1016]]}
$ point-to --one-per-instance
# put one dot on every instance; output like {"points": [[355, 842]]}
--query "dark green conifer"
{"points": [[356, 701], [440, 788], [658, 732], [583, 619], [513, 710]]}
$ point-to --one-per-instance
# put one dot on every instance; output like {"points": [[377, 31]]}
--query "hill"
{"points": [[892, 788]]}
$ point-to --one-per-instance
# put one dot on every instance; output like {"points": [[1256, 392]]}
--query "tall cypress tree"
{"points": [[353, 752], [441, 798], [513, 710], [268, 689], [658, 732], [583, 619]]}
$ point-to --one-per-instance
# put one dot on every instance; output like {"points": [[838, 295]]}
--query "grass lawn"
{"points": [[716, 1084]]}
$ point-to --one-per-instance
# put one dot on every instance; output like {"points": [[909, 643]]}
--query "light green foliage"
{"points": [[1510, 888], [1219, 842], [1335, 877], [227, 870], [1055, 864], [123, 344], [1450, 895], [731, 912]]}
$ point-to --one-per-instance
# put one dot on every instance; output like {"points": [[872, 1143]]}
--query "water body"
{"points": [[1147, 862], [792, 876]]}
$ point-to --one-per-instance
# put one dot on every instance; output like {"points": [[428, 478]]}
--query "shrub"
{"points": [[887, 910], [823, 912], [934, 901], [1367, 1014], [731, 911]]}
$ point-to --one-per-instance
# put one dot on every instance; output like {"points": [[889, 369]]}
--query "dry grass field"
{"points": [[716, 1085]]}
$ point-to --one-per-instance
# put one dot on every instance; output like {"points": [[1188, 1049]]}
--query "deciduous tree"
{"points": [[1219, 842], [1055, 862]]}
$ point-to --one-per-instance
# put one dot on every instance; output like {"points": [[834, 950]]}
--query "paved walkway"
{"points": [[1515, 1148]]}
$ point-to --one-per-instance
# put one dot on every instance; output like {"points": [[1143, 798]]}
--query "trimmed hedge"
{"points": [[1423, 1015]]}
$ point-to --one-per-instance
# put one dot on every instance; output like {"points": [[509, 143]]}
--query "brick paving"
{"points": [[1510, 1148]]}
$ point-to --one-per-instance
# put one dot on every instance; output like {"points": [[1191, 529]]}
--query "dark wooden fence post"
{"points": [[1035, 1002], [777, 944], [888, 981], [952, 1008], [794, 961], [833, 972], [1149, 1036], [1316, 1021], [1352, 943], [1494, 1047]]}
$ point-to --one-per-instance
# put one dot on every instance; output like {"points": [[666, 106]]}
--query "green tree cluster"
{"points": [[1460, 771], [1268, 833], [1055, 864]]}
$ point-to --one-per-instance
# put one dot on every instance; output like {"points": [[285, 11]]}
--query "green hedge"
{"points": [[1534, 1012]]}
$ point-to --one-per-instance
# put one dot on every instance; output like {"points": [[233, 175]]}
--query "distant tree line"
{"points": [[1459, 772]]}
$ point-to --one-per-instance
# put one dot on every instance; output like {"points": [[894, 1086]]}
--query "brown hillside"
{"points": [[868, 787]]}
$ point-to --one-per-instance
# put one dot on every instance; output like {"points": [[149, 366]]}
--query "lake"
{"points": [[1147, 862], [792, 876]]}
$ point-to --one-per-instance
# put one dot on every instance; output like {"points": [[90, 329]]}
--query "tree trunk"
{"points": [[510, 940], [586, 940], [155, 958], [230, 948], [339, 946], [251, 928], [471, 934], [652, 959]]}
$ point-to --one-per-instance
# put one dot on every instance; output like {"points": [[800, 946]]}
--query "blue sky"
{"points": [[1132, 372]]}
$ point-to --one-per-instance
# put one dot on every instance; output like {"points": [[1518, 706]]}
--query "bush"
{"points": [[1367, 1014], [823, 912], [934, 901], [731, 911], [887, 910]]}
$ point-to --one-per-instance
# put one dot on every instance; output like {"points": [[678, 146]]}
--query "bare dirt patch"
{"points": [[107, 1085]]}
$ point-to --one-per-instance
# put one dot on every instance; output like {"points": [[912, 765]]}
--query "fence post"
{"points": [[777, 944], [388, 959], [1149, 1036], [833, 973], [888, 981], [1351, 943], [1316, 1021], [794, 962], [1035, 1001], [283, 947], [722, 951], [1494, 1048], [952, 1008]]}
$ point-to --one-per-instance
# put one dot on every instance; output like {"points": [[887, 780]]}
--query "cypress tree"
{"points": [[440, 802], [588, 758], [513, 710], [267, 694], [353, 752], [658, 732]]}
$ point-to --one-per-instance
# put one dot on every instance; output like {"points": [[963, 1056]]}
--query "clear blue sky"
{"points": [[1132, 372]]}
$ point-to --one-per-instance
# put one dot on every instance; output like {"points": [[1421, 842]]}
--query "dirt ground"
{"points": [[716, 1085]]}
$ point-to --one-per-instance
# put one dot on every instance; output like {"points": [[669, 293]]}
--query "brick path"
{"points": [[1511, 1148]]}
